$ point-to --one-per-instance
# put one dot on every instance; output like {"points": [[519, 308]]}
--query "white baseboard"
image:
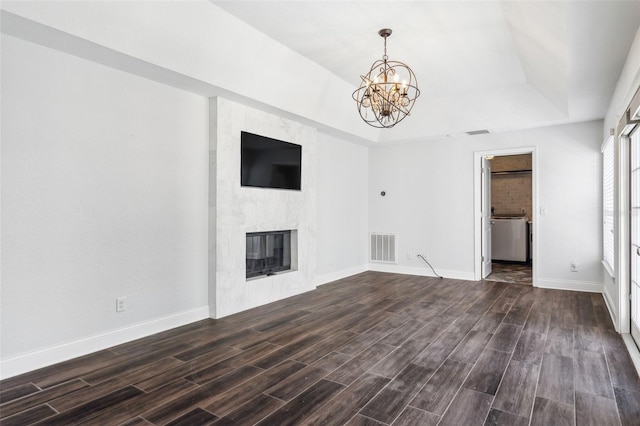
{"points": [[425, 272], [612, 312], [338, 275], [572, 285], [13, 366]]}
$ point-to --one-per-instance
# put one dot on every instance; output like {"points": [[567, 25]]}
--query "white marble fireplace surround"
{"points": [[235, 210]]}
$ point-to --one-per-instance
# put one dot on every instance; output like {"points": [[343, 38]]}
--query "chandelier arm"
{"points": [[396, 105]]}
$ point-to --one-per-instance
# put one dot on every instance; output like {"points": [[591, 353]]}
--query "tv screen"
{"points": [[269, 163]]}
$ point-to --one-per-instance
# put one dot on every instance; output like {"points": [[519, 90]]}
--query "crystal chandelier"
{"points": [[387, 92]]}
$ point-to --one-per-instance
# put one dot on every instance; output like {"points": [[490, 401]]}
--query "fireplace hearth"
{"points": [[268, 253]]}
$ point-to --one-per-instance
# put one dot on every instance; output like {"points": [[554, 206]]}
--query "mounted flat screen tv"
{"points": [[269, 163]]}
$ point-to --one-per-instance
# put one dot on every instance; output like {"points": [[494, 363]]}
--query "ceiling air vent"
{"points": [[383, 248], [478, 132]]}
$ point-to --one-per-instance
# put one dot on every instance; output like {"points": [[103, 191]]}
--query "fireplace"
{"points": [[268, 253]]}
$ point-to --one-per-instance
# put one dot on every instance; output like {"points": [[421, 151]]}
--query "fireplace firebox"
{"points": [[268, 253]]}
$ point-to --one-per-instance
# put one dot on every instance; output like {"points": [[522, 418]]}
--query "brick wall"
{"points": [[511, 193]]}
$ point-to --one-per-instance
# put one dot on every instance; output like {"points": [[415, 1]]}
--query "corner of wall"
{"points": [[338, 275]]}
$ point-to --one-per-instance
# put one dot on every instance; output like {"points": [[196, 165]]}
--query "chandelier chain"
{"points": [[385, 57]]}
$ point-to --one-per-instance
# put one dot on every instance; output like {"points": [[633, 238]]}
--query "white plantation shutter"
{"points": [[607, 204]]}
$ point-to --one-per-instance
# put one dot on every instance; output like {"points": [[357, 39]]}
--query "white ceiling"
{"points": [[496, 65]]}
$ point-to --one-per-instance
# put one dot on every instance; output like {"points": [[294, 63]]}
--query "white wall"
{"points": [[342, 208], [625, 88], [239, 210], [187, 44], [105, 176], [104, 194], [615, 290], [430, 201]]}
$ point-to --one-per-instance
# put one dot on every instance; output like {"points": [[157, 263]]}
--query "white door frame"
{"points": [[621, 228], [486, 219], [634, 168], [477, 205]]}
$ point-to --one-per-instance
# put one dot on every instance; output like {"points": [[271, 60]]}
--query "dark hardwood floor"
{"points": [[371, 349]]}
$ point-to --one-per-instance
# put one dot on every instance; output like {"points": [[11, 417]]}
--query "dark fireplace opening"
{"points": [[268, 253]]}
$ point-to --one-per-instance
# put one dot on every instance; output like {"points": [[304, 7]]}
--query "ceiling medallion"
{"points": [[387, 92]]}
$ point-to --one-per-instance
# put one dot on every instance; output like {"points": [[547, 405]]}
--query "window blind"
{"points": [[608, 203]]}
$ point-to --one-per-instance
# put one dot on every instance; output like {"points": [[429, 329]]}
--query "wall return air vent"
{"points": [[478, 132], [382, 248]]}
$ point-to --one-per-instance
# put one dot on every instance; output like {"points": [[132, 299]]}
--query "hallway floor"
{"points": [[517, 273]]}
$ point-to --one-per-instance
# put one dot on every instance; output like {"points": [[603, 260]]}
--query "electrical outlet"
{"points": [[409, 255], [574, 266], [121, 304]]}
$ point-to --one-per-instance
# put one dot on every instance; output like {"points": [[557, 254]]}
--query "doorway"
{"points": [[505, 198], [511, 213]]}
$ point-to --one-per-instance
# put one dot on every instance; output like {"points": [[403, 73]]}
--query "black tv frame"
{"points": [[285, 170]]}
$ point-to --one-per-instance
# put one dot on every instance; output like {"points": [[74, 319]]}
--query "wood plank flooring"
{"points": [[372, 349]]}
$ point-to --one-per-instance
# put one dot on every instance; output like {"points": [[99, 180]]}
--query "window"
{"points": [[607, 205]]}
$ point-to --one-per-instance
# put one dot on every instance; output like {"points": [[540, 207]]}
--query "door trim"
{"points": [[486, 219], [632, 139], [621, 225], [477, 205]]}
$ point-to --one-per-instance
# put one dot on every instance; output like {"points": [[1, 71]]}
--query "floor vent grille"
{"points": [[382, 248]]}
